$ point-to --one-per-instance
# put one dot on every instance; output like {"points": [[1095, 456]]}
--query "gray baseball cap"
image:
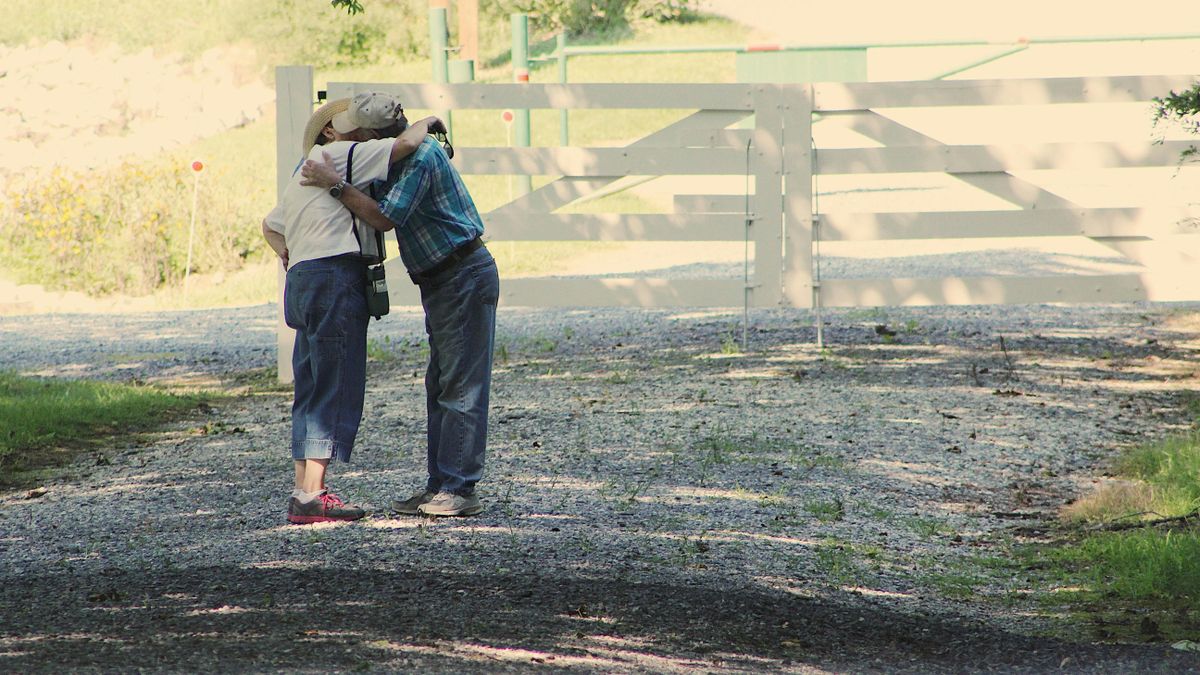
{"points": [[369, 110]]}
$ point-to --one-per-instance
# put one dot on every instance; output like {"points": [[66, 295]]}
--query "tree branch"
{"points": [[1117, 526]]}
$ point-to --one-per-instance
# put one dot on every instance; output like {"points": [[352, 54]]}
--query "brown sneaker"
{"points": [[449, 504], [325, 508]]}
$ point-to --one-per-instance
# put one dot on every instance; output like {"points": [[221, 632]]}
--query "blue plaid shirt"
{"points": [[433, 212]]}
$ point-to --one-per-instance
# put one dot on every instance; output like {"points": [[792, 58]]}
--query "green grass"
{"points": [[46, 422], [836, 561], [131, 24], [1172, 468], [927, 526], [1158, 480], [1132, 578], [1142, 565], [826, 511]]}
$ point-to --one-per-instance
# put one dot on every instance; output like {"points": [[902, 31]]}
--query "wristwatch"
{"points": [[336, 190]]}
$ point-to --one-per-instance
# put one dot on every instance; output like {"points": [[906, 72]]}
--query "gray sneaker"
{"points": [[327, 507], [449, 504], [412, 505]]}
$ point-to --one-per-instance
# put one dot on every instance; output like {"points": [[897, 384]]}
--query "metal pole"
{"points": [[520, 61], [439, 36], [468, 29], [853, 46], [564, 134], [982, 62], [187, 270], [746, 259]]}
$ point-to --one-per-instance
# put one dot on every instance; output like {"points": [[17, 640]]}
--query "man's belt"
{"points": [[456, 256]]}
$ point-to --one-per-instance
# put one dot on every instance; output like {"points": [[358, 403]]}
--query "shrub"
{"points": [[121, 230], [294, 31], [591, 17]]}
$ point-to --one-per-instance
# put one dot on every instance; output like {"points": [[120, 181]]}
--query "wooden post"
{"points": [[800, 289], [468, 29], [766, 157], [293, 107]]}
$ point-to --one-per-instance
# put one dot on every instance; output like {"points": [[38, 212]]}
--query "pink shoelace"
{"points": [[330, 500]]}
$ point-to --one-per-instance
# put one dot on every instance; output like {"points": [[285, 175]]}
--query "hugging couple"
{"points": [[400, 180]]}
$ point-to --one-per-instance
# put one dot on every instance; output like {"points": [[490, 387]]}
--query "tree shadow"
{"points": [[424, 618]]}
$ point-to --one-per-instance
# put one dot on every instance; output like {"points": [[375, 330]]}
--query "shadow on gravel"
{"points": [[232, 619]]}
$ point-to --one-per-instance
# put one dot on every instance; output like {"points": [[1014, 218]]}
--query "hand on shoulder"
{"points": [[319, 174]]}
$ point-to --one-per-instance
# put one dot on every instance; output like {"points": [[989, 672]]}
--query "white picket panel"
{"points": [[293, 106], [699, 144]]}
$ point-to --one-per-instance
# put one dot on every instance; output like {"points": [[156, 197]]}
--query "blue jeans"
{"points": [[325, 302], [460, 320]]}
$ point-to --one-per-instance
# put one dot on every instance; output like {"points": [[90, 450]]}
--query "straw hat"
{"points": [[317, 122]]}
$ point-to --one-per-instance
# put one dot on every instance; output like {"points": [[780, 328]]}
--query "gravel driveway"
{"points": [[658, 500]]}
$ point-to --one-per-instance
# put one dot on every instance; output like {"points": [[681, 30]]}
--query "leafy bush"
{"points": [[591, 17], [665, 11], [126, 232], [1180, 108], [296, 31]]}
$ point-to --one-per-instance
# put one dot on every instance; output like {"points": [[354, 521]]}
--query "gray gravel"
{"points": [[657, 499]]}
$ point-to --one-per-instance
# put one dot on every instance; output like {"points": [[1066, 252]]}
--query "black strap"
{"points": [[349, 179]]}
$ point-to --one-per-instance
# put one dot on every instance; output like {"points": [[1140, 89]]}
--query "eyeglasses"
{"points": [[441, 138]]}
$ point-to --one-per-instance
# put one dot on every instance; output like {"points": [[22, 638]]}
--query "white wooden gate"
{"points": [[1161, 239], [766, 134], [782, 157]]}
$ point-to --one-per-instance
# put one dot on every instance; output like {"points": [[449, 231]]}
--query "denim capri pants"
{"points": [[325, 302]]}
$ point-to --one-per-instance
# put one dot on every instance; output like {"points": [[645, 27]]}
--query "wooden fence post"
{"points": [[799, 287], [766, 165], [293, 107]]}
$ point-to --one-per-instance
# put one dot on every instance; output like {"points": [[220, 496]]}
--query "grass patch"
{"points": [[1172, 468], [380, 350], [1160, 480], [1143, 565], [259, 381], [284, 31], [835, 560], [46, 422], [535, 258], [1140, 581], [928, 527], [826, 511]]}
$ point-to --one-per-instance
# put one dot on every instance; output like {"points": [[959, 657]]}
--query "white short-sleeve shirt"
{"points": [[314, 224]]}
